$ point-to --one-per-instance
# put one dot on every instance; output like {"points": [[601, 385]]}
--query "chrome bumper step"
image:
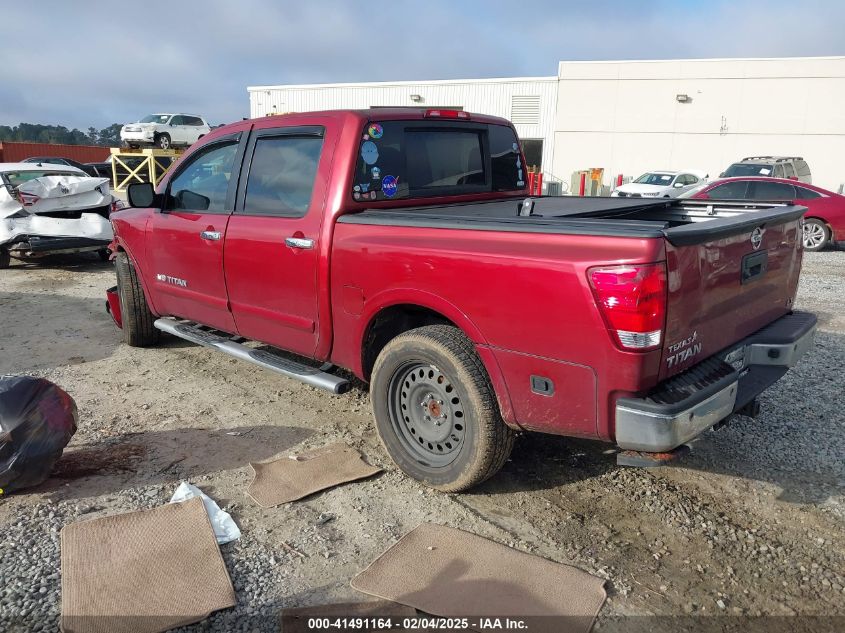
{"points": [[202, 335]]}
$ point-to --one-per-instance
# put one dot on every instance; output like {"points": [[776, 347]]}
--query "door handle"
{"points": [[299, 242], [211, 235]]}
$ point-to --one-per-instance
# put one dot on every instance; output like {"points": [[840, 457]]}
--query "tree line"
{"points": [[37, 133]]}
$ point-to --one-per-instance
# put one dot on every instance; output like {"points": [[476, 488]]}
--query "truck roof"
{"points": [[393, 114]]}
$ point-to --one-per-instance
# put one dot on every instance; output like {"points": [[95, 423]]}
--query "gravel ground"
{"points": [[750, 524]]}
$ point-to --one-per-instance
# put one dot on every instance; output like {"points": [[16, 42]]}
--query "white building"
{"points": [[632, 116]]}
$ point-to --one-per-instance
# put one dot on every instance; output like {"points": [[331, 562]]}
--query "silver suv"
{"points": [[792, 167]]}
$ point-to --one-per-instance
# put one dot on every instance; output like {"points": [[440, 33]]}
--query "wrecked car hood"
{"points": [[56, 193]]}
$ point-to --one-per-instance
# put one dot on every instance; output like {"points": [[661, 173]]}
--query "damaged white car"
{"points": [[50, 209]]}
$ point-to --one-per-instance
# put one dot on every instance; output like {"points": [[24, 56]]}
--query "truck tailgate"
{"points": [[727, 278]]}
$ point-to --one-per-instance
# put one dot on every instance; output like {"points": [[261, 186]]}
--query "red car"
{"points": [[824, 221], [402, 245]]}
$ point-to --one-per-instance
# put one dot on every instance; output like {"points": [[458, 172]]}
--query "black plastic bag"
{"points": [[37, 420]]}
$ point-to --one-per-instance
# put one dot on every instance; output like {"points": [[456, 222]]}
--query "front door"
{"points": [[187, 236], [273, 238]]}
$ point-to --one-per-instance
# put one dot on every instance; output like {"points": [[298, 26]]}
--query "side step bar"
{"points": [[201, 335]]}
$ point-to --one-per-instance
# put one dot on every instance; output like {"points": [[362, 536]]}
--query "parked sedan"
{"points": [[824, 221], [660, 184]]}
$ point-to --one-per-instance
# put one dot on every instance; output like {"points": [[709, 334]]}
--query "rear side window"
{"points": [[418, 159], [806, 194], [789, 170], [729, 191], [772, 191], [281, 175]]}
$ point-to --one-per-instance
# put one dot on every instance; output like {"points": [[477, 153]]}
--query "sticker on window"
{"points": [[389, 186], [375, 131], [666, 178], [765, 171], [369, 152], [376, 173]]}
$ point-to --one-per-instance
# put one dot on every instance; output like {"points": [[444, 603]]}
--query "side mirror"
{"points": [[141, 195], [677, 185], [722, 175], [187, 199]]}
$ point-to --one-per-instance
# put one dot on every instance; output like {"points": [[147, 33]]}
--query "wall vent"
{"points": [[525, 109]]}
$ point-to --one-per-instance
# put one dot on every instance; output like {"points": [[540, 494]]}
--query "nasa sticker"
{"points": [[389, 186], [375, 130]]}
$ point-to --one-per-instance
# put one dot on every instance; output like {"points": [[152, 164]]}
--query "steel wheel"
{"points": [[815, 235], [427, 414]]}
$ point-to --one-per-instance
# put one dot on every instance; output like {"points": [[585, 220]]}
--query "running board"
{"points": [[207, 337]]}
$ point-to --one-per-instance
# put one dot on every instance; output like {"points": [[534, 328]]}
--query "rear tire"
{"points": [[816, 235], [435, 409], [5, 258], [138, 329]]}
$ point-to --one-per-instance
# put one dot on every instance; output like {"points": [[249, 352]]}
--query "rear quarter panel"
{"points": [[522, 298]]}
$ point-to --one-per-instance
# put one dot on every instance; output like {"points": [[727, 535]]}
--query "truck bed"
{"points": [[681, 222]]}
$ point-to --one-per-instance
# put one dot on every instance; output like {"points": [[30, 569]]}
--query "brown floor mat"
{"points": [[295, 620], [291, 478], [142, 572], [451, 573]]}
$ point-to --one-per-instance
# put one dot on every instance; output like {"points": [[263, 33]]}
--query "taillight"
{"points": [[632, 301], [446, 114], [27, 199]]}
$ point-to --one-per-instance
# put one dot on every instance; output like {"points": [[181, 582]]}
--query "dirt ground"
{"points": [[751, 524]]}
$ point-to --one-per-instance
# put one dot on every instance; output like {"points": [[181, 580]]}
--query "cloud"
{"points": [[105, 62]]}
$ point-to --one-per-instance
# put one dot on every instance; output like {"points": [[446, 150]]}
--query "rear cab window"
{"points": [[420, 159]]}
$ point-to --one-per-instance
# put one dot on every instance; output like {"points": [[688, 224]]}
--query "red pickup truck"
{"points": [[401, 245]]}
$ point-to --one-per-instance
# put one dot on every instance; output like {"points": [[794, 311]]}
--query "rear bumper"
{"points": [[40, 246], [683, 407]]}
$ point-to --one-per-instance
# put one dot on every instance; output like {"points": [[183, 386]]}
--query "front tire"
{"points": [[162, 141], [435, 409], [816, 235], [138, 329]]}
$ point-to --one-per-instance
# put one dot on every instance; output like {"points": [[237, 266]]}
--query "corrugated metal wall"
{"points": [[494, 97], [14, 151]]}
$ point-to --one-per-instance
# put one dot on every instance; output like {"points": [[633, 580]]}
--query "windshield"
{"points": [[748, 169], [691, 192], [155, 118], [661, 180], [17, 178]]}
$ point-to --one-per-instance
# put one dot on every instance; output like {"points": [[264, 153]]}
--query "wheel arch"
{"points": [[387, 319]]}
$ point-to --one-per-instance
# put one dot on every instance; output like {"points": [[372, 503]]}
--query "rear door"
{"points": [[273, 241], [185, 242]]}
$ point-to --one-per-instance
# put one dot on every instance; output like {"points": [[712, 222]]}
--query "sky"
{"points": [[93, 63]]}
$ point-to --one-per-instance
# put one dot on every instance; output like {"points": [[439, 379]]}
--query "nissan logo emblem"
{"points": [[756, 238]]}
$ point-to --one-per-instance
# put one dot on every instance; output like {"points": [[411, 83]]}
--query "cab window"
{"points": [[281, 175], [203, 184], [419, 159]]}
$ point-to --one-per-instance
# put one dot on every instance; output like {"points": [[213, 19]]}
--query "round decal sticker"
{"points": [[375, 130], [369, 152], [389, 185]]}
